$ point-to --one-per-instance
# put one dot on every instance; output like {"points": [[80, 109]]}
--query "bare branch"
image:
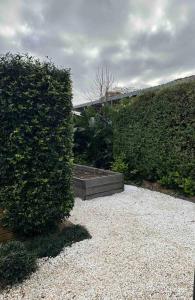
{"points": [[103, 82]]}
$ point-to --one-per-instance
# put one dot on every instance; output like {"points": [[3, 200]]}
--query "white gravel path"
{"points": [[142, 248]]}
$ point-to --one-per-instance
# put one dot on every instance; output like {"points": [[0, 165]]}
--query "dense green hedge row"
{"points": [[154, 137], [35, 143]]}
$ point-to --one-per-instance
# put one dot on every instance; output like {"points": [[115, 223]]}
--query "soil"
{"points": [[87, 174], [156, 186], [65, 224], [5, 234]]}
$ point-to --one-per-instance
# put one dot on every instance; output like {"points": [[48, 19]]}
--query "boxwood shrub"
{"points": [[155, 135], [35, 143], [16, 263]]}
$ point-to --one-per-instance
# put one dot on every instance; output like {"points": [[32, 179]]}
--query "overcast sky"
{"points": [[144, 42]]}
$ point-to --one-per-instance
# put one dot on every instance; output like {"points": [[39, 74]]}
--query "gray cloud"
{"points": [[144, 42]]}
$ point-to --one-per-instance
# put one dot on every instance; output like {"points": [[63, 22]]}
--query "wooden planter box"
{"points": [[89, 182]]}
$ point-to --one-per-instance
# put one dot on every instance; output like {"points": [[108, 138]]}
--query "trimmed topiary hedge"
{"points": [[35, 143], [155, 137]]}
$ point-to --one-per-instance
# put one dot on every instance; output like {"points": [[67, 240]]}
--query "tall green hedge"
{"points": [[35, 143], [155, 136]]}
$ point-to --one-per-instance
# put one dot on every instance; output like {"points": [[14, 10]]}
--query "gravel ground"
{"points": [[142, 248]]}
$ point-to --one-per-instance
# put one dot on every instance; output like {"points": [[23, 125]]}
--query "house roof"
{"points": [[134, 93]]}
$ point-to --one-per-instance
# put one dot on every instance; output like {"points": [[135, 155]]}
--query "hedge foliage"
{"points": [[93, 137], [35, 143], [155, 137]]}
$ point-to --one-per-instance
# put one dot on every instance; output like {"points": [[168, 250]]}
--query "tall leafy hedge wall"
{"points": [[155, 136], [35, 143]]}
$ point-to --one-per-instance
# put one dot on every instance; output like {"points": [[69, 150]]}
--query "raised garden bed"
{"points": [[89, 182]]}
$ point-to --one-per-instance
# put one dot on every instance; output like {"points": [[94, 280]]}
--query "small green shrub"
{"points": [[119, 165], [35, 144], [175, 180], [16, 263], [188, 186], [52, 244]]}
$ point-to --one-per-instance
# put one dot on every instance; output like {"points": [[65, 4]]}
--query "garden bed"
{"points": [[89, 182]]}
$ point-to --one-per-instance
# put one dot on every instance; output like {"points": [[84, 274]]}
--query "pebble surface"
{"points": [[142, 247]]}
